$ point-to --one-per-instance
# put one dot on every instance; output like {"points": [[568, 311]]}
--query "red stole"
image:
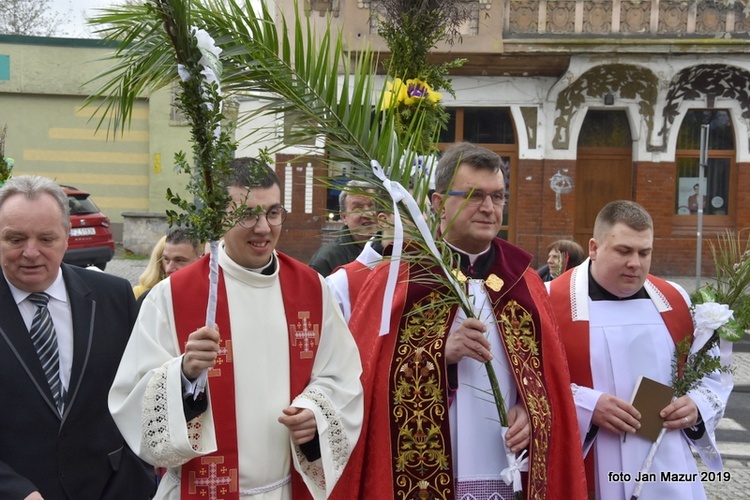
{"points": [[216, 476], [575, 334], [356, 275]]}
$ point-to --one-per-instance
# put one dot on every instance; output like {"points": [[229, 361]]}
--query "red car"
{"points": [[90, 240]]}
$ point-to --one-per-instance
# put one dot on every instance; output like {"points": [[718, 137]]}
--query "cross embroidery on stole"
{"points": [[305, 335], [223, 356], [210, 482]]}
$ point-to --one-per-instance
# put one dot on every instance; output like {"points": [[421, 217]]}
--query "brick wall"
{"points": [[300, 235], [538, 223]]}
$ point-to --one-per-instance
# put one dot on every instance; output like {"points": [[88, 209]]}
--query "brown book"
{"points": [[650, 397]]}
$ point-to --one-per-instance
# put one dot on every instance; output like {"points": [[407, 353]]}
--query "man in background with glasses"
{"points": [[359, 216], [426, 378], [282, 367]]}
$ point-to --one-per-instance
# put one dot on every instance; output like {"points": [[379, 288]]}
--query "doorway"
{"points": [[604, 168]]}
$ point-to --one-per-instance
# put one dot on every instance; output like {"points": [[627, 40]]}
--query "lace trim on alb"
{"points": [[156, 436], [337, 441], [573, 296], [653, 291]]}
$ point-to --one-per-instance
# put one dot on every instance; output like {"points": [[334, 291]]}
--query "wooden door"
{"points": [[602, 175]]}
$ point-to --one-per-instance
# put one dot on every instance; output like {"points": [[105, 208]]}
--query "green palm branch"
{"points": [[292, 70]]}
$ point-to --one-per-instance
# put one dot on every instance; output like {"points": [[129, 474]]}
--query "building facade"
{"points": [[588, 100], [595, 100], [44, 85]]}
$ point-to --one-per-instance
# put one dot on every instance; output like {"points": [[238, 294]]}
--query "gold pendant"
{"points": [[494, 283], [460, 276]]}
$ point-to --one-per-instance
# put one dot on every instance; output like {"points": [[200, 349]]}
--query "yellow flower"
{"points": [[409, 93], [395, 94], [417, 90]]}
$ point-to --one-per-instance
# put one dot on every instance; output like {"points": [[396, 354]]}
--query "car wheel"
{"points": [[101, 265]]}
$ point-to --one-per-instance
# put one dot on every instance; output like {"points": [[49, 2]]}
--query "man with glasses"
{"points": [[434, 432], [358, 214], [281, 364]]}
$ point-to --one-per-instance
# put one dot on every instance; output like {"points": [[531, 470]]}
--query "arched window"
{"points": [[717, 185]]}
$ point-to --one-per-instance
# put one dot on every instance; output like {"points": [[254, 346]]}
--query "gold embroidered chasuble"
{"points": [[407, 379]]}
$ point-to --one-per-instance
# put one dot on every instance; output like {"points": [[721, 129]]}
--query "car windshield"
{"points": [[81, 206]]}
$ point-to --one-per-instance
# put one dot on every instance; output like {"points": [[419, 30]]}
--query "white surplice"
{"points": [[628, 338], [150, 375], [338, 281], [479, 455]]}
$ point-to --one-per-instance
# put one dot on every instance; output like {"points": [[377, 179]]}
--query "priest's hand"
{"points": [[301, 424], [681, 413], [616, 415], [34, 496], [201, 350], [468, 340], [519, 433]]}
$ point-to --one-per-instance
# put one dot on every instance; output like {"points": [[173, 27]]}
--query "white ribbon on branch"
{"points": [[399, 193], [211, 73], [516, 464]]}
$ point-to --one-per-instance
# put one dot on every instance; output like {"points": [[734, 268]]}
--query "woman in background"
{"points": [[154, 272], [561, 256]]}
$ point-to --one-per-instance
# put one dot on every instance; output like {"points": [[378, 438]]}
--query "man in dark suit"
{"points": [[57, 437]]}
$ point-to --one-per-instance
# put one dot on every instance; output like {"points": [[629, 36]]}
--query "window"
{"points": [[716, 184], [4, 67]]}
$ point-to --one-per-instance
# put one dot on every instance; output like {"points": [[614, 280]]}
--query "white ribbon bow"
{"points": [[399, 193], [512, 473]]}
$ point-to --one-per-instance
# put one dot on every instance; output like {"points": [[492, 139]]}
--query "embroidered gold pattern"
{"points": [[494, 282], [517, 329], [421, 464], [460, 276]]}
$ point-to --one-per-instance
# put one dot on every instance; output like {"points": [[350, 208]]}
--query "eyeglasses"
{"points": [[275, 217], [476, 197]]}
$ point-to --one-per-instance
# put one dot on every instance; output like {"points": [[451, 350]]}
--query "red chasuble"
{"points": [[216, 476], [407, 430], [576, 339], [356, 275]]}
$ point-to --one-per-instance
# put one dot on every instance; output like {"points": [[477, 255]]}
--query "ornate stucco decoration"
{"points": [[700, 82], [483, 4], [627, 81]]}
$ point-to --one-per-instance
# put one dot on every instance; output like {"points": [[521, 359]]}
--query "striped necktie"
{"points": [[45, 341]]}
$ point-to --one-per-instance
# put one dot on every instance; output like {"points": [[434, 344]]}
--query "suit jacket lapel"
{"points": [[83, 310], [14, 334]]}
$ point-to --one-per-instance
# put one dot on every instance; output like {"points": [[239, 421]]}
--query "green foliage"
{"points": [[731, 255], [686, 376], [6, 164], [411, 29]]}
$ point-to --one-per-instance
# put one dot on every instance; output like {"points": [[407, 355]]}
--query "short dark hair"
{"points": [[247, 172], [179, 235], [464, 153], [628, 212]]}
